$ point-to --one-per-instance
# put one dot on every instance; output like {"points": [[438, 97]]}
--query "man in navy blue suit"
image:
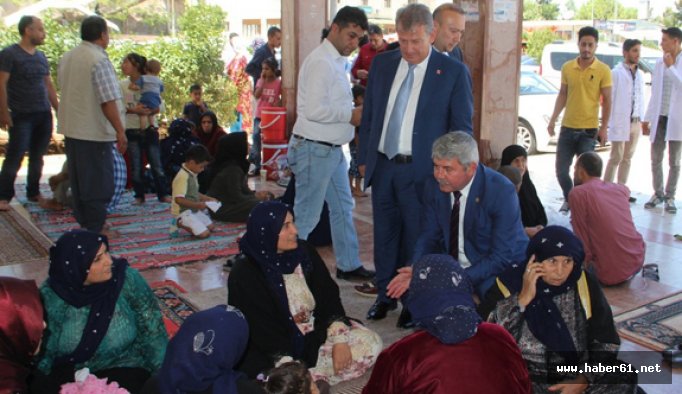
{"points": [[470, 212], [449, 22], [418, 95]]}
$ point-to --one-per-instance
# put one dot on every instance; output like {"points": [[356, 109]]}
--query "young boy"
{"points": [[151, 87], [196, 107], [188, 204]]}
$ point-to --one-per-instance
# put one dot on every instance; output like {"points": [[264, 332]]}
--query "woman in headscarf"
{"points": [[558, 315], [454, 352], [292, 304], [100, 314], [201, 357], [533, 214], [173, 148], [209, 132], [21, 328], [229, 180]]}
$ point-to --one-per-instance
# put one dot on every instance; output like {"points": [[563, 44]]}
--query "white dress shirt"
{"points": [[463, 260], [324, 100], [627, 101], [405, 144]]}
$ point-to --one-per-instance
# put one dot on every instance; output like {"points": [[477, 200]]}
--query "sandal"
{"points": [[650, 271]]}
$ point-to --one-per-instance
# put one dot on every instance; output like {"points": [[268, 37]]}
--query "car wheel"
{"points": [[525, 136]]}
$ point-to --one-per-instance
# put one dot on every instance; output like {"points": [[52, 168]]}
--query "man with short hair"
{"points": [[255, 66], [470, 212], [449, 21], [627, 110], [376, 45], [418, 96], [324, 124], [91, 119], [663, 119], [26, 93], [601, 218], [584, 81]]}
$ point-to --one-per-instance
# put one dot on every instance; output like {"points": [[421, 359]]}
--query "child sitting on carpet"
{"points": [[188, 206], [291, 377]]}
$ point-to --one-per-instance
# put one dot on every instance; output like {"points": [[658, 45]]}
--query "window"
{"points": [[251, 27]]}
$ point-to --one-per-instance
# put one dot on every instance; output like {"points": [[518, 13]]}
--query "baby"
{"points": [[150, 87]]}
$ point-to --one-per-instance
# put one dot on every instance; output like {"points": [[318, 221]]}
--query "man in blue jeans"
{"points": [[26, 93], [325, 122], [583, 81]]}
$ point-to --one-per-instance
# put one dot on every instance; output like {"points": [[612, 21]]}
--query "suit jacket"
{"points": [[494, 236], [445, 104]]}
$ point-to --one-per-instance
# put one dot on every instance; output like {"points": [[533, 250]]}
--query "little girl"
{"points": [[268, 89], [290, 377]]}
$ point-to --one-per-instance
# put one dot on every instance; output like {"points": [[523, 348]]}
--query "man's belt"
{"points": [[400, 159], [317, 142]]}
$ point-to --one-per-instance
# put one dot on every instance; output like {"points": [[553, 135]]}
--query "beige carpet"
{"points": [[656, 325], [22, 242]]}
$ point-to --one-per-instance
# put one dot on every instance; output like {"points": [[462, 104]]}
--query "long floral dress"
{"points": [[236, 71]]}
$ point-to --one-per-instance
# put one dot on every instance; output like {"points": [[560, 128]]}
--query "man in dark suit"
{"points": [[449, 22], [419, 95], [470, 212]]}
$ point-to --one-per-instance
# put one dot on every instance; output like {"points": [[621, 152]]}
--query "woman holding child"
{"points": [[292, 304], [142, 141]]}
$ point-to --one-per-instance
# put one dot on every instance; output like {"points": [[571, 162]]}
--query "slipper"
{"points": [[678, 237], [673, 355], [650, 271]]}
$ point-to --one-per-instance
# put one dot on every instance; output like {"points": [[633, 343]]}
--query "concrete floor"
{"points": [[656, 226]]}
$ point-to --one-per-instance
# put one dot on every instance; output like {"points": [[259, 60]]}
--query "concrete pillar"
{"points": [[302, 23], [491, 47]]}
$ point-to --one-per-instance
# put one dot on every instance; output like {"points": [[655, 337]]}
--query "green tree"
{"points": [[605, 9], [536, 41], [672, 16], [539, 10]]}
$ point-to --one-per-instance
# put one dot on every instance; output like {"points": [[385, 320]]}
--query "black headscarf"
{"points": [[542, 315], [70, 261], [232, 149], [260, 243], [532, 211]]}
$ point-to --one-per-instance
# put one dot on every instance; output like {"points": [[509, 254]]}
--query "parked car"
{"points": [[529, 64], [536, 104], [554, 56]]}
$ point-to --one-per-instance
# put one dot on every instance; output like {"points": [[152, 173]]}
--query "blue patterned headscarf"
{"points": [[440, 299], [70, 261], [542, 315], [204, 352], [260, 243]]}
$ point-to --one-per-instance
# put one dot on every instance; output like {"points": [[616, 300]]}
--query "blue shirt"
{"points": [[26, 89]]}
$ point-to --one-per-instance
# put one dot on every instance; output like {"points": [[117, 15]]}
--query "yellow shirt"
{"points": [[584, 92]]}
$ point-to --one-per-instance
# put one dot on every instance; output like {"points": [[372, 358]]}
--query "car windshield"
{"points": [[648, 62], [532, 83], [529, 61]]}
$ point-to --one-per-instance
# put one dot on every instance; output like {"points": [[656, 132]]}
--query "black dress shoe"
{"points": [[359, 273], [379, 310], [405, 319], [673, 355]]}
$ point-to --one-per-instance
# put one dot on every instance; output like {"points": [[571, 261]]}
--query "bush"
{"points": [[192, 57], [536, 41]]}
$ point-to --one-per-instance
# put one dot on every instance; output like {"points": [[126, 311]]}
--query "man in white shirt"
{"points": [[325, 122], [626, 112], [663, 119]]}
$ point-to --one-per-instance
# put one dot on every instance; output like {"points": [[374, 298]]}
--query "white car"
{"points": [[536, 104]]}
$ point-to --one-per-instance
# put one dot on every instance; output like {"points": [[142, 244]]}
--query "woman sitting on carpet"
{"points": [[559, 316], [100, 314], [21, 328], [533, 214], [229, 180], [292, 304]]}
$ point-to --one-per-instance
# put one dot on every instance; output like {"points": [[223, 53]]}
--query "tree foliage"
{"points": [[536, 41], [605, 9], [191, 57], [539, 10], [672, 16]]}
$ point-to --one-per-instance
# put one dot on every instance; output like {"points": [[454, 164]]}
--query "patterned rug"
{"points": [[174, 307], [21, 241], [143, 234], [656, 325]]}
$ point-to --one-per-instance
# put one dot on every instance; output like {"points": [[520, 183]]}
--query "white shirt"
{"points": [[655, 108], [627, 101], [405, 143], [324, 100], [463, 260]]}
